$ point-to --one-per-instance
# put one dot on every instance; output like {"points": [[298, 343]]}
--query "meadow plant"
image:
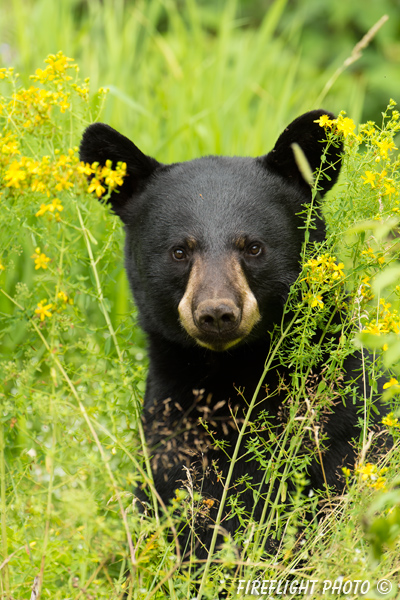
{"points": [[73, 367]]}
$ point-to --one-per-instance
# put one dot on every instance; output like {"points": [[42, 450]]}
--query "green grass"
{"points": [[185, 79]]}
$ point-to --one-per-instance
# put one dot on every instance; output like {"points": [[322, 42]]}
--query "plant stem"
{"points": [[267, 366], [3, 512]]}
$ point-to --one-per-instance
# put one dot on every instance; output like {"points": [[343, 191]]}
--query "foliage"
{"points": [[180, 72], [73, 365]]}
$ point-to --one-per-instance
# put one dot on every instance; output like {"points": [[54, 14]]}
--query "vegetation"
{"points": [[182, 83]]}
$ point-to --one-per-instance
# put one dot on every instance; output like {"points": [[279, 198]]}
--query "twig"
{"points": [[354, 56]]}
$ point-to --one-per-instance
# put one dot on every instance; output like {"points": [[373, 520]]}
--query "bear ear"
{"points": [[312, 139], [100, 143]]}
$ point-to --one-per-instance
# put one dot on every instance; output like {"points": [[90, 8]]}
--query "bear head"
{"points": [[213, 244]]}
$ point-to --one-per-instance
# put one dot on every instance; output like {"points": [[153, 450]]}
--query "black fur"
{"points": [[213, 200]]}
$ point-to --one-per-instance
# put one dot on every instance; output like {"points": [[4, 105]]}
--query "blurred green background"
{"points": [[186, 78], [190, 77]]}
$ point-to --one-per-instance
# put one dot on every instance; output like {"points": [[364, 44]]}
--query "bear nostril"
{"points": [[217, 317], [228, 318], [207, 320]]}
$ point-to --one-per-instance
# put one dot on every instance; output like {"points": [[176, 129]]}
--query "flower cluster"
{"points": [[321, 272], [103, 176], [35, 174], [342, 125], [380, 175], [57, 70], [370, 257], [390, 420], [392, 383], [45, 309], [372, 476], [41, 259], [47, 175], [43, 177], [387, 321], [345, 126]]}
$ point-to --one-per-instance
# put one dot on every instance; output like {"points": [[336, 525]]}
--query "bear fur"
{"points": [[212, 248]]}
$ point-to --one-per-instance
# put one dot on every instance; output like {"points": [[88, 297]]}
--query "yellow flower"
{"points": [[345, 125], [2, 267], [316, 301], [43, 310], [390, 421], [42, 210], [370, 178], [41, 259], [15, 175], [324, 121], [389, 188], [62, 296], [95, 186], [372, 476], [369, 253], [57, 66], [113, 178], [391, 383], [55, 205], [85, 169], [385, 146], [379, 483]]}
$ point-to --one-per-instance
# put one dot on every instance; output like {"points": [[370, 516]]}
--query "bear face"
{"points": [[213, 244], [212, 248]]}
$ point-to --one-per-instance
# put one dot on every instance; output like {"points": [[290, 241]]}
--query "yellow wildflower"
{"points": [[323, 269], [391, 383], [316, 301], [41, 259], [43, 310], [55, 205], [369, 253], [389, 188], [113, 178], [390, 420], [62, 296], [345, 125], [95, 186], [385, 146], [370, 178], [85, 169], [56, 70], [42, 210], [372, 476], [15, 174], [324, 121]]}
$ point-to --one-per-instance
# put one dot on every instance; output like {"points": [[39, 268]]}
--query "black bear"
{"points": [[212, 249]]}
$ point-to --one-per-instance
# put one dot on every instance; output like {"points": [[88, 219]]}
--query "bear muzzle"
{"points": [[218, 308], [217, 317]]}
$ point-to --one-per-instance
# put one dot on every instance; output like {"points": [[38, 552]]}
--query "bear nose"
{"points": [[217, 316]]}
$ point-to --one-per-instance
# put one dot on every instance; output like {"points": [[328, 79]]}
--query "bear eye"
{"points": [[179, 254], [254, 249]]}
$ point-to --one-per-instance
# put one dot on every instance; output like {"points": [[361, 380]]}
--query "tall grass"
{"points": [[185, 80]]}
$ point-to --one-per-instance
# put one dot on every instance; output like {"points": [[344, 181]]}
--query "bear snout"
{"points": [[218, 309], [217, 316]]}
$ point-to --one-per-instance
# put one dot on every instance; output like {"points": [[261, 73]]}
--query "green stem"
{"points": [[3, 512], [267, 366], [100, 296]]}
